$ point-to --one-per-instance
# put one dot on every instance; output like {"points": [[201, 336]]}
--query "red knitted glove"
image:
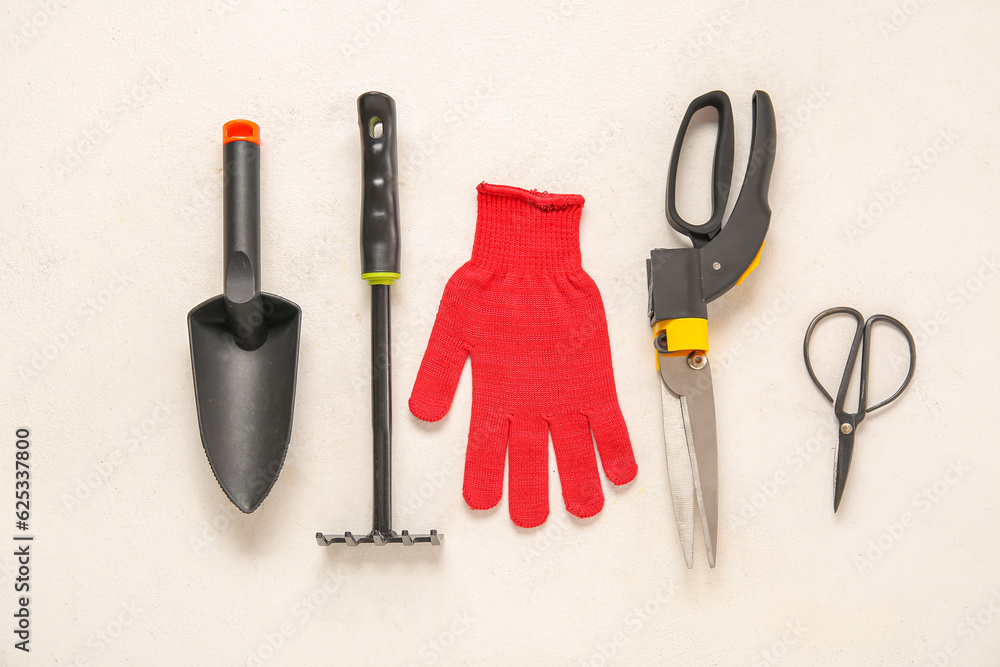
{"points": [[534, 324]]}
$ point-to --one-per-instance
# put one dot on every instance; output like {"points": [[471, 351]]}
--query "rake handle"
{"points": [[380, 252], [381, 411]]}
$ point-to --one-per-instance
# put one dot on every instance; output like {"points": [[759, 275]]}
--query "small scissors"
{"points": [[849, 421]]}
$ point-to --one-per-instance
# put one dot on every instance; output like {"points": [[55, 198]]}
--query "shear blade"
{"points": [[692, 462], [841, 466], [679, 472]]}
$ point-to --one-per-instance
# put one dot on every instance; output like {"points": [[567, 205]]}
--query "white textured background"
{"points": [[110, 200]]}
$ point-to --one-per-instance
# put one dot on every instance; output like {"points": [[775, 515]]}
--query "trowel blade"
{"points": [[245, 398]]}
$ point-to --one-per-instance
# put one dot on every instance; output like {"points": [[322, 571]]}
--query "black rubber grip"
{"points": [[380, 187], [730, 254], [241, 238], [674, 282], [722, 169]]}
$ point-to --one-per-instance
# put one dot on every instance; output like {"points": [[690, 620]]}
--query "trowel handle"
{"points": [[380, 189], [241, 232]]}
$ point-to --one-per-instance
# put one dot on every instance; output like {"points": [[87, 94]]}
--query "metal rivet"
{"points": [[846, 428], [697, 360], [716, 266]]}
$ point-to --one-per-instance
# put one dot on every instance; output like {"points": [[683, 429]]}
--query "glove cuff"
{"points": [[526, 230]]}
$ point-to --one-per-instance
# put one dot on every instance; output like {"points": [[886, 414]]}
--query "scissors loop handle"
{"points": [[722, 169], [862, 343], [892, 321], [852, 355]]}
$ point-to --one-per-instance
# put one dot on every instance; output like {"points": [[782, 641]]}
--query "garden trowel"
{"points": [[244, 343]]}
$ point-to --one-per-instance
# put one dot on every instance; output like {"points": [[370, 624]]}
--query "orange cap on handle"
{"points": [[241, 130]]}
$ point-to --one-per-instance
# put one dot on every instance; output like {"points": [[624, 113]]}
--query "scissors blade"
{"points": [[842, 465], [693, 388], [679, 472]]}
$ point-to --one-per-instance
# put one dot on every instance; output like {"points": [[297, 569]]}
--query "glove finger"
{"points": [[613, 443], [529, 470], [581, 483], [442, 365], [484, 460]]}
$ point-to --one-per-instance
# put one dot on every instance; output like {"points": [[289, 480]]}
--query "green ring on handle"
{"points": [[380, 277]]}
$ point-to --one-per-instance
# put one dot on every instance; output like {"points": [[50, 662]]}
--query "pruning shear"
{"points": [[681, 282]]}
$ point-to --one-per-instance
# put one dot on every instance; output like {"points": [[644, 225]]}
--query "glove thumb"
{"points": [[442, 365]]}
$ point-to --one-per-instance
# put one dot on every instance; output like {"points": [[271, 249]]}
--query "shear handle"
{"points": [[722, 169], [735, 250]]}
